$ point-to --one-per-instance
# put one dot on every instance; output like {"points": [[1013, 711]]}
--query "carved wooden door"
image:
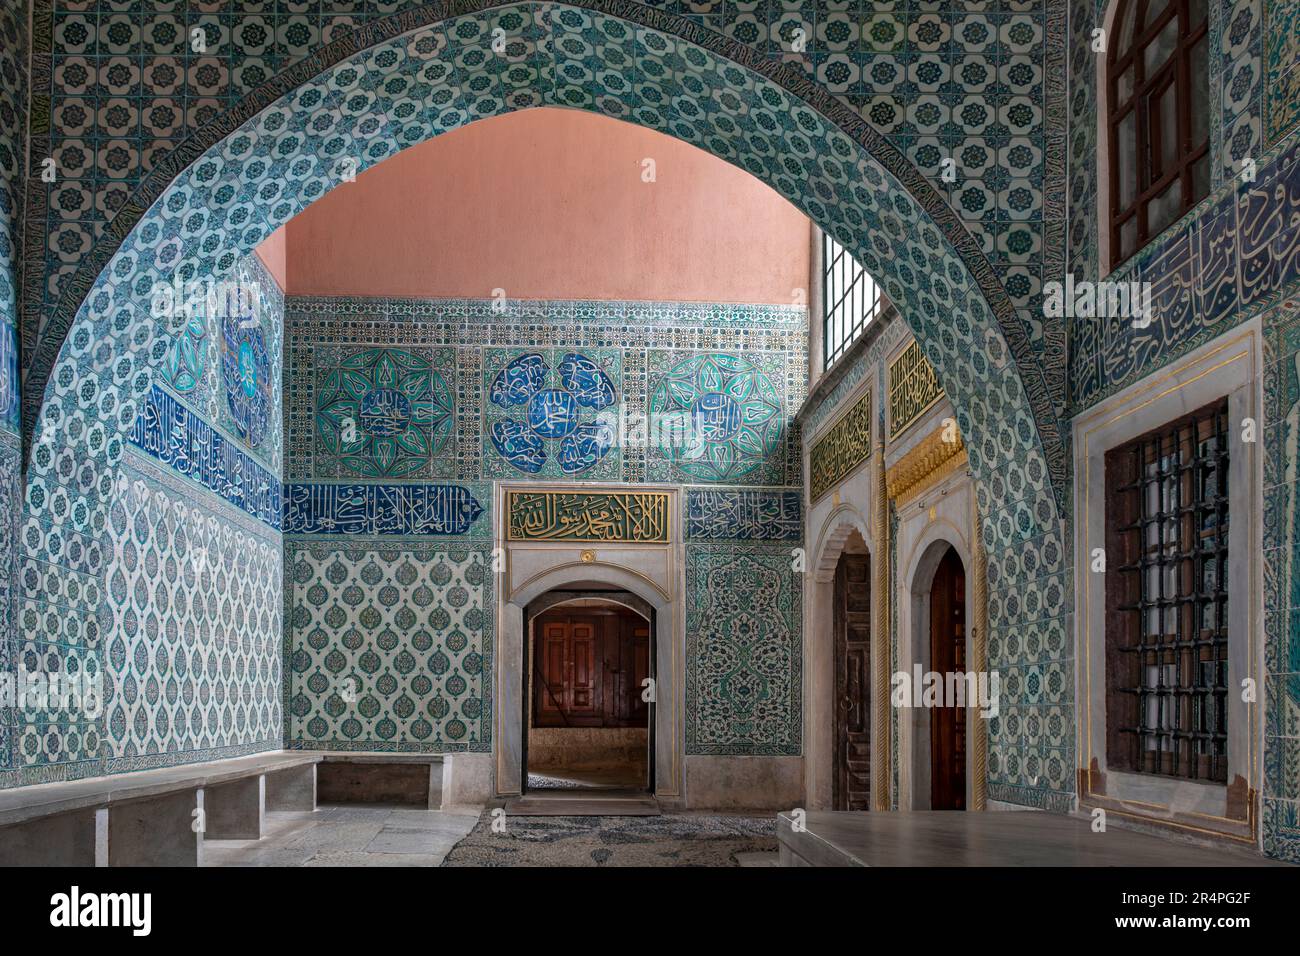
{"points": [[851, 782]]}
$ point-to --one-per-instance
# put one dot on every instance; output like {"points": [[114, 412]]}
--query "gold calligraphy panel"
{"points": [[845, 445], [913, 388], [634, 517]]}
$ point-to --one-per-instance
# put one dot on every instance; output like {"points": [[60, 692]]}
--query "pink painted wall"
{"points": [[550, 203], [274, 254]]}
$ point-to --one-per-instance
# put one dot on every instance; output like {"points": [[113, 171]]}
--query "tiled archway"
{"points": [[227, 190]]}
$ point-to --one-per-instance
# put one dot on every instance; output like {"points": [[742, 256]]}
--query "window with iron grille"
{"points": [[1167, 600], [1157, 98], [850, 299]]}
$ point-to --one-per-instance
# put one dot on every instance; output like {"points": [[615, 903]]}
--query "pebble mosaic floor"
{"points": [[678, 839]]}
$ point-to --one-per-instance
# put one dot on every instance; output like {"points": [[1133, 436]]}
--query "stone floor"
{"points": [[349, 836], [596, 778], [385, 836]]}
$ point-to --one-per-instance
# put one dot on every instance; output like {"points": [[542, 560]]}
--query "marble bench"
{"points": [[408, 779], [937, 838], [152, 817]]}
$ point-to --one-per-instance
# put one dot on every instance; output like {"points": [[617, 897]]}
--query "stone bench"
{"points": [[151, 817], [942, 838], [407, 779]]}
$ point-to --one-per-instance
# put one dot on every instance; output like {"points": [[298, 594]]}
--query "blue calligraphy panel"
{"points": [[743, 515], [406, 509], [169, 432]]}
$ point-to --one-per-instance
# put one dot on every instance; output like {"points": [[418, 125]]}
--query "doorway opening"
{"points": [[851, 620], [589, 710], [948, 656]]}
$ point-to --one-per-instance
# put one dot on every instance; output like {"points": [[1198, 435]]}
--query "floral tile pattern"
{"points": [[185, 684], [13, 147], [743, 651], [390, 648]]}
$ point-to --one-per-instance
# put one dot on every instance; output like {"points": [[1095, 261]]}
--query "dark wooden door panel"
{"points": [[583, 676], [589, 668], [638, 709], [552, 692], [948, 655], [851, 620]]}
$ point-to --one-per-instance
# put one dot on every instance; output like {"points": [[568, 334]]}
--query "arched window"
{"points": [[1157, 98]]}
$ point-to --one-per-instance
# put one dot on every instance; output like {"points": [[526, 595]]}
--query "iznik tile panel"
{"points": [[180, 439], [224, 362], [387, 509], [744, 515], [1281, 822], [552, 413], [384, 412], [191, 653], [719, 418], [743, 651], [613, 391], [390, 647]]}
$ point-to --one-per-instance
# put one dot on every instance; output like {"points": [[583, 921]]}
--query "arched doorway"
{"points": [[933, 688], [589, 720], [414, 76], [851, 622], [948, 656]]}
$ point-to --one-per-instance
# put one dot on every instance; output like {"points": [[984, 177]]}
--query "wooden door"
{"points": [[584, 668], [552, 692], [947, 656], [851, 782], [589, 668]]}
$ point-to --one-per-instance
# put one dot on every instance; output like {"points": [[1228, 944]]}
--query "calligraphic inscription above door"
{"points": [[843, 447], [913, 388], [640, 517]]}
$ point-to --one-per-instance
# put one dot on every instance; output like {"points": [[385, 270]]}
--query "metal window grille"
{"points": [[850, 296], [1167, 600]]}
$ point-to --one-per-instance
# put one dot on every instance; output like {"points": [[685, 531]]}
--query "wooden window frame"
{"points": [[1174, 71]]}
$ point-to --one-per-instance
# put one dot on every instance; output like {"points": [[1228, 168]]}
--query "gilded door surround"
{"points": [[650, 571], [1229, 366], [932, 459]]}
